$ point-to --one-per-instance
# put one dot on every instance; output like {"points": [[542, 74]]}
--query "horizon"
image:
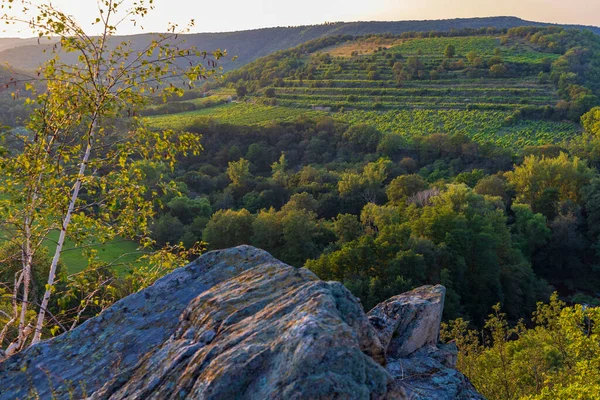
{"points": [[265, 14], [387, 21], [335, 22]]}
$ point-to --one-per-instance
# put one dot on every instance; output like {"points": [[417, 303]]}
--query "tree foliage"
{"points": [[79, 167], [558, 358], [450, 51], [239, 172], [538, 174]]}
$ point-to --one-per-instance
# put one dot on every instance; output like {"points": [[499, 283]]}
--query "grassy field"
{"points": [[361, 46], [512, 51], [482, 126], [484, 45], [234, 113], [118, 252], [215, 96]]}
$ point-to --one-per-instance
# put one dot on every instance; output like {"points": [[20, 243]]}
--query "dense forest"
{"points": [[491, 221], [441, 209]]}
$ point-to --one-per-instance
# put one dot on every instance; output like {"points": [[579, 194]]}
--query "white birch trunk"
{"points": [[62, 237]]}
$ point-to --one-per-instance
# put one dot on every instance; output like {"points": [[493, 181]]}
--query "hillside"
{"points": [[253, 44], [464, 162], [497, 86], [11, 43], [433, 93], [315, 152]]}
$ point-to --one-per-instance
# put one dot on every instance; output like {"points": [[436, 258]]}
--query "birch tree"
{"points": [[78, 167]]}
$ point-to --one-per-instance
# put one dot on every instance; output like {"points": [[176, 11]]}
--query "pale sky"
{"points": [[231, 15]]}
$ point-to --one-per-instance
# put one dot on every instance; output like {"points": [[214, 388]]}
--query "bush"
{"points": [[498, 70], [373, 76], [167, 229], [228, 228], [241, 91], [270, 92], [363, 138]]}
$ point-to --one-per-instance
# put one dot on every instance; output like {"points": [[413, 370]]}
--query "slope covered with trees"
{"points": [[513, 88], [390, 161]]}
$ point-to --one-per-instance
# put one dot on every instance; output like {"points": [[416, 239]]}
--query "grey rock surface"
{"points": [[407, 322], [118, 338], [429, 374], [239, 324], [272, 332]]}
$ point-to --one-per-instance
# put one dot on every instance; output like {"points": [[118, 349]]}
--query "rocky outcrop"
{"points": [[408, 327], [271, 332], [240, 324], [407, 322]]}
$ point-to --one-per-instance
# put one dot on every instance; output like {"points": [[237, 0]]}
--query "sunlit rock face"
{"points": [[239, 324]]}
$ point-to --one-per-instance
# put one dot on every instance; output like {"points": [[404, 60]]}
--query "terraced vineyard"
{"points": [[483, 126], [371, 80], [511, 51], [410, 87]]}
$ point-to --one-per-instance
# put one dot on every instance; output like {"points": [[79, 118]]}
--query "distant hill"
{"points": [[253, 44], [11, 43], [495, 85]]}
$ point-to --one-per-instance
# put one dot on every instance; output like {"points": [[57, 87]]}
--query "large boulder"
{"points": [[271, 332], [119, 337], [240, 324]]}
